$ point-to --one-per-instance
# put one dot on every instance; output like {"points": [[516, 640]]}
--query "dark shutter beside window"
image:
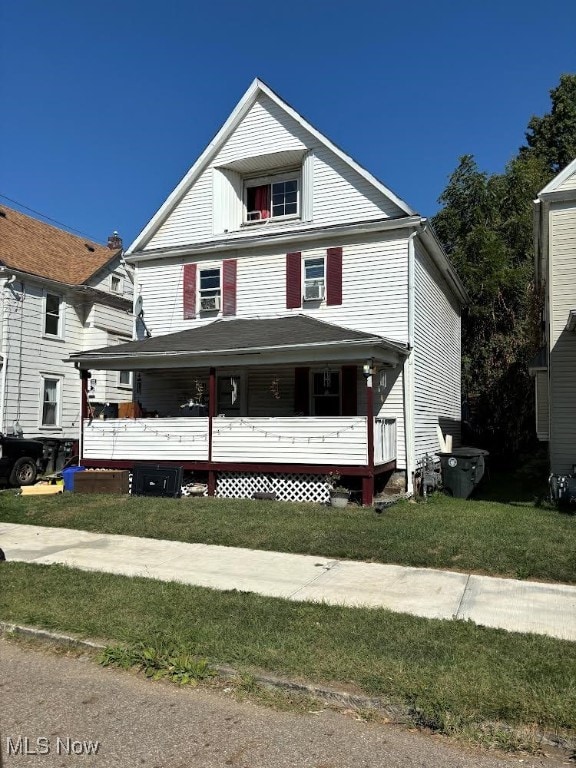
{"points": [[189, 291], [293, 280], [302, 391], [334, 276], [229, 287], [349, 390]]}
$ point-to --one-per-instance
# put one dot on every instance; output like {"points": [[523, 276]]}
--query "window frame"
{"points": [[307, 281], [269, 180], [120, 280], [58, 379], [210, 292], [125, 385], [60, 316]]}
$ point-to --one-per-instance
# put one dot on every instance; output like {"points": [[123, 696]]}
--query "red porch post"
{"points": [[211, 414], [368, 480]]}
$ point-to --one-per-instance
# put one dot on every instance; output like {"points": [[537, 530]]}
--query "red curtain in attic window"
{"points": [[259, 200]]}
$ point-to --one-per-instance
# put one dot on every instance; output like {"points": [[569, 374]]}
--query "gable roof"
{"points": [[242, 336], [558, 180], [244, 105], [29, 245]]}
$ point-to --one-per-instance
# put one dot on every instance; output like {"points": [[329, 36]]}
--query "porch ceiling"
{"points": [[292, 339]]}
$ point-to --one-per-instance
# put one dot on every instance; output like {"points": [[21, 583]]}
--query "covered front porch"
{"points": [[279, 405]]}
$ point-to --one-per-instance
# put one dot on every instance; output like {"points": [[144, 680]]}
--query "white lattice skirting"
{"points": [[290, 487]]}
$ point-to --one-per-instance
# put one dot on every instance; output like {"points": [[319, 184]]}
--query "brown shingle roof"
{"points": [[29, 245]]}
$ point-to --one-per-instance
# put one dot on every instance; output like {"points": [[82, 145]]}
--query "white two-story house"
{"points": [[303, 321], [554, 369], [59, 293]]}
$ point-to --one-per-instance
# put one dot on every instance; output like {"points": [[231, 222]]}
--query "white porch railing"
{"points": [[384, 440], [309, 440], [291, 440], [147, 439]]}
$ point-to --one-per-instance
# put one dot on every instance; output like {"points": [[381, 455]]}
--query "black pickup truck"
{"points": [[20, 460]]}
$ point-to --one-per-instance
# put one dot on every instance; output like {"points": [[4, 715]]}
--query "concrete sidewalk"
{"points": [[519, 606]]}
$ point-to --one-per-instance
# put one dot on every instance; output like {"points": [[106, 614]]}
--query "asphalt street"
{"points": [[68, 711]]}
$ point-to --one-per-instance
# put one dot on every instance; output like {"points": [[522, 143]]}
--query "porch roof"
{"points": [[246, 341]]}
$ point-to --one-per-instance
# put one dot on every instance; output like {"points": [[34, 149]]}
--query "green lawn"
{"points": [[454, 676], [510, 539]]}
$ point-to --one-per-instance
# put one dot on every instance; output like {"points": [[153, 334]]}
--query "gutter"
{"points": [[363, 343]]}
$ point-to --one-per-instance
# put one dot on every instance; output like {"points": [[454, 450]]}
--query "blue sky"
{"points": [[106, 105]]}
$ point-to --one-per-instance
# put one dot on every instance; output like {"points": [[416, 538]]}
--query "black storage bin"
{"points": [[157, 481], [462, 470]]}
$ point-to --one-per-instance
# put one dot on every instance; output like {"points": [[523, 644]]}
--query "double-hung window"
{"points": [[314, 279], [50, 401], [272, 198], [210, 290], [53, 311]]}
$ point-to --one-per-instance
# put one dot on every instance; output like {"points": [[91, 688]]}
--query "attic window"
{"points": [[89, 247], [271, 198]]}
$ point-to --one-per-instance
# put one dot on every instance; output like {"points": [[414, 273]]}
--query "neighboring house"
{"points": [[59, 293], [299, 311], [554, 369]]}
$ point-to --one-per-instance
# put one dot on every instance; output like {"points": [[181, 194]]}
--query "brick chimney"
{"points": [[114, 241]]}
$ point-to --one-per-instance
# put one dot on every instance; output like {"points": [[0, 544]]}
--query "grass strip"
{"points": [[453, 675], [515, 540]]}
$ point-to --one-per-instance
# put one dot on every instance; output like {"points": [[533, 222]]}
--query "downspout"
{"points": [[2, 385], [409, 433], [4, 356]]}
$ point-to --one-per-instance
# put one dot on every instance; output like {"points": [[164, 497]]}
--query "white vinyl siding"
{"points": [[562, 342], [342, 195], [374, 288], [569, 183], [191, 221], [436, 359]]}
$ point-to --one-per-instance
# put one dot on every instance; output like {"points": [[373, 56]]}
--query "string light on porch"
{"points": [[139, 428]]}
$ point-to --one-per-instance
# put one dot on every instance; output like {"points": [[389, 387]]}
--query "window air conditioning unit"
{"points": [[313, 291], [209, 303]]}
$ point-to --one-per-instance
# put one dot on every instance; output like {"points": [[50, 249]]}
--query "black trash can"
{"points": [[462, 470]]}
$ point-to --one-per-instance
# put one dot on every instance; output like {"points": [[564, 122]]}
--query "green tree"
{"points": [[485, 225], [553, 136]]}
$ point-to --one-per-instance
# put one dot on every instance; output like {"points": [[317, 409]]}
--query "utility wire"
{"points": [[54, 221]]}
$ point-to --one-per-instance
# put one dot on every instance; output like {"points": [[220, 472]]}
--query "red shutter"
{"points": [[302, 391], [229, 287], [334, 276], [293, 280], [349, 390], [189, 291]]}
